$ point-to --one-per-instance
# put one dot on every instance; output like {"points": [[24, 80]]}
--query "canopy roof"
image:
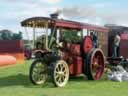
{"points": [[39, 22]]}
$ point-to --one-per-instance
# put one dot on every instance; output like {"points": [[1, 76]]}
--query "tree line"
{"points": [[9, 35]]}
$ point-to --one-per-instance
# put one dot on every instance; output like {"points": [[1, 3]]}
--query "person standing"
{"points": [[95, 39], [116, 45]]}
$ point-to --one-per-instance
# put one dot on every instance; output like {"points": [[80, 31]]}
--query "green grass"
{"points": [[14, 82]]}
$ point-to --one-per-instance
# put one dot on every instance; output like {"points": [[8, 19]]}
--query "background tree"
{"points": [[9, 35], [6, 35], [17, 36]]}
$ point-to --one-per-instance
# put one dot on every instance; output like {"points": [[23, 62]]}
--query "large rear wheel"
{"points": [[38, 72], [95, 64]]}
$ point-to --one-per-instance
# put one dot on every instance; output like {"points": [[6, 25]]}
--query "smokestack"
{"points": [[54, 15]]}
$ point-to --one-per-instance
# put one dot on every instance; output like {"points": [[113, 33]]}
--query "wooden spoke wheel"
{"points": [[95, 64], [38, 72], [60, 73]]}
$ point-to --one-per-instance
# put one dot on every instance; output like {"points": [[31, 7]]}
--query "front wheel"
{"points": [[60, 73], [38, 72]]}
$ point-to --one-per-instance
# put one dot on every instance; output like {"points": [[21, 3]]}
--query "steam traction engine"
{"points": [[66, 51]]}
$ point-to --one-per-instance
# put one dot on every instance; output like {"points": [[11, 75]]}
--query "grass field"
{"points": [[14, 82]]}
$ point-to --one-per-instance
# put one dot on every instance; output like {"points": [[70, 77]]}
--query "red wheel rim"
{"points": [[97, 65], [88, 44]]}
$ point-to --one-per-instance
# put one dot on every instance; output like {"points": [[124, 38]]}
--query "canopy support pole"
{"points": [[46, 35], [27, 35], [34, 38]]}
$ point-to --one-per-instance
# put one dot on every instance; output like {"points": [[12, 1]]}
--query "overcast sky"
{"points": [[99, 12]]}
